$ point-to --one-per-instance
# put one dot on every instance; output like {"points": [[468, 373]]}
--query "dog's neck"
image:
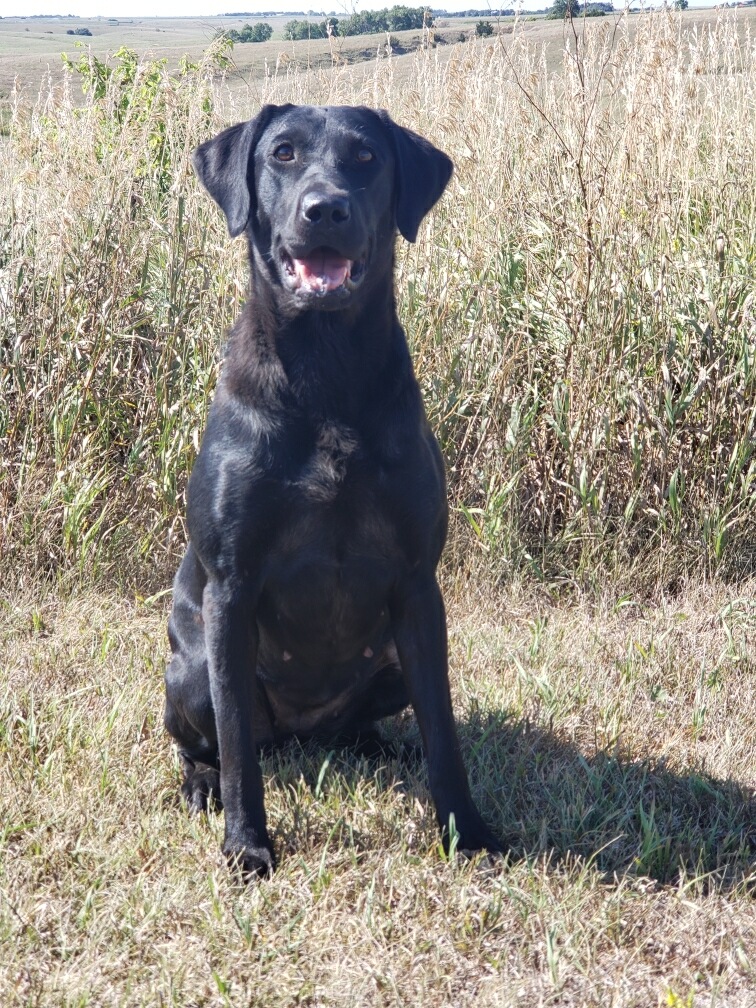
{"points": [[328, 362]]}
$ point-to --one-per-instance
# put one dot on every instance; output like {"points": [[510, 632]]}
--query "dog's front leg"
{"points": [[232, 639], [419, 625]]}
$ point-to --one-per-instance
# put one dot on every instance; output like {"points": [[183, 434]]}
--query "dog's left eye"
{"points": [[284, 152], [365, 155]]}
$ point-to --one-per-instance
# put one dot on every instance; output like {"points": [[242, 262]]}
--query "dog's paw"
{"points": [[489, 851], [201, 788], [250, 863], [472, 838], [484, 841]]}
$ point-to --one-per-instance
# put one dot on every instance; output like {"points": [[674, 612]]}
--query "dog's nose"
{"points": [[319, 208]]}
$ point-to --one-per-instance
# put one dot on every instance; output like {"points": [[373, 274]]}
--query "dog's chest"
{"points": [[337, 453], [337, 509], [331, 564]]}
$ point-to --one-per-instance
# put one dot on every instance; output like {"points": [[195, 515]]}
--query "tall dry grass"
{"points": [[581, 306]]}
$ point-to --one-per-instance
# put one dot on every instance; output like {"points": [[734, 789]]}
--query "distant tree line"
{"points": [[573, 8], [294, 30], [259, 32], [78, 31], [274, 13], [391, 19]]}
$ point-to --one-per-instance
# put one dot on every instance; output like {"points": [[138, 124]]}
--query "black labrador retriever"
{"points": [[307, 602]]}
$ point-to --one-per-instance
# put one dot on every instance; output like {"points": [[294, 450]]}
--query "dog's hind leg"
{"points": [[189, 715]]}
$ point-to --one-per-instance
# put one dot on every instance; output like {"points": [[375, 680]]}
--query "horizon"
{"points": [[92, 9]]}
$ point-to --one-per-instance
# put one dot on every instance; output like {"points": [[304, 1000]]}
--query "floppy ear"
{"points": [[224, 166], [422, 172]]}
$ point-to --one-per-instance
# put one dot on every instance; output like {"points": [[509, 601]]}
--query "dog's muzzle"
{"points": [[322, 271]]}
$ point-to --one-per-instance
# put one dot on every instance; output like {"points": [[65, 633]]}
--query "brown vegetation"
{"points": [[582, 310]]}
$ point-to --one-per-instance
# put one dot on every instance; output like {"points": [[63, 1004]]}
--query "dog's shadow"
{"points": [[544, 797]]}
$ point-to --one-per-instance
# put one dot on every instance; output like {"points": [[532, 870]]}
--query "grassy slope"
{"points": [[29, 47]]}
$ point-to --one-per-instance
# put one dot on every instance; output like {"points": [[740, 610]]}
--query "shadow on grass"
{"points": [[544, 797], [628, 817]]}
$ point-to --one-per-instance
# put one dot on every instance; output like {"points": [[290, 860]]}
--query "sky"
{"points": [[205, 8]]}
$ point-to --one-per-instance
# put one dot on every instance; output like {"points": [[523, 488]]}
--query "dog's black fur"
{"points": [[307, 602]]}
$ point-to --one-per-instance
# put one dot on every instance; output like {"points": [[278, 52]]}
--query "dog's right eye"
{"points": [[284, 152]]}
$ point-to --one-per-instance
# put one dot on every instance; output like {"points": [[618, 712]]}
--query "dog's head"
{"points": [[320, 192]]}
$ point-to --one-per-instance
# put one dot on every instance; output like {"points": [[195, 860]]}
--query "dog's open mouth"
{"points": [[322, 271]]}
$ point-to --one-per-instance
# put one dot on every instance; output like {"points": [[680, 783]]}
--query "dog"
{"points": [[307, 602]]}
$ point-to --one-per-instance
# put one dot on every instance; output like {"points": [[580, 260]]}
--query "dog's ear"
{"points": [[422, 173], [224, 166]]}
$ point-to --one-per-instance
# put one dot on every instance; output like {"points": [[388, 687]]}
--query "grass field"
{"points": [[30, 48], [581, 307], [604, 744]]}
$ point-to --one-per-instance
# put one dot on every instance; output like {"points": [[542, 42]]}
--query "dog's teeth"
{"points": [[286, 656], [368, 652]]}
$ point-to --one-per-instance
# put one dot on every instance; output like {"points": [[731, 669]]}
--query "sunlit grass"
{"points": [[581, 308], [603, 744]]}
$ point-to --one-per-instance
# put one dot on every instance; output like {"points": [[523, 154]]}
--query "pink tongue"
{"points": [[322, 271]]}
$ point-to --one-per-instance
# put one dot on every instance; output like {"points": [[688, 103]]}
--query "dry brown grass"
{"points": [[604, 741], [581, 306]]}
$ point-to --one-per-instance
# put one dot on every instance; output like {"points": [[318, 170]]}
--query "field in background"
{"points": [[31, 47], [581, 307]]}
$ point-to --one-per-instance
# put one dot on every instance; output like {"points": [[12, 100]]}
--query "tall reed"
{"points": [[581, 306]]}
